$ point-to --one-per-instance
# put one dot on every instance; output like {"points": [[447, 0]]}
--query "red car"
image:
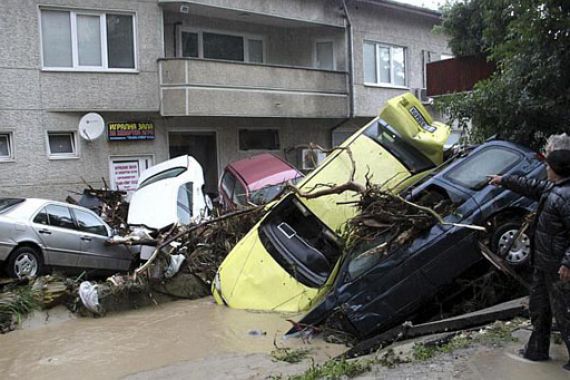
{"points": [[255, 180]]}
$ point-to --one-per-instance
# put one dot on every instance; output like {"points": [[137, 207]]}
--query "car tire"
{"points": [[519, 253], [25, 262]]}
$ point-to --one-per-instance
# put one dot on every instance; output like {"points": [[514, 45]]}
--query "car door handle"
{"points": [[85, 238], [46, 232]]}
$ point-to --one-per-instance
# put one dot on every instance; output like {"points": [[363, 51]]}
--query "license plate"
{"points": [[417, 115]]}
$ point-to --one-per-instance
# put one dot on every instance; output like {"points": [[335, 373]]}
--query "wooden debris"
{"points": [[504, 311]]}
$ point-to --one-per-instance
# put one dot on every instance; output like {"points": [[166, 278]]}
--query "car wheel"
{"points": [[519, 253], [25, 262]]}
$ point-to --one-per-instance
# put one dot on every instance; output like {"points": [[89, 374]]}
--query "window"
{"points": [[220, 45], [382, 133], [168, 173], [259, 139], [384, 64], [184, 203], [255, 50], [58, 216], [324, 55], [62, 144], [240, 194], [87, 40], [90, 223], [299, 242], [8, 203], [228, 184], [6, 146], [189, 43], [42, 217], [473, 172]]}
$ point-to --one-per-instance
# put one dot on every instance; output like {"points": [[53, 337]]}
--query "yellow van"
{"points": [[287, 261]]}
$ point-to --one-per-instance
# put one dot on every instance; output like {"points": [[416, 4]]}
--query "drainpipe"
{"points": [[350, 52], [350, 49]]}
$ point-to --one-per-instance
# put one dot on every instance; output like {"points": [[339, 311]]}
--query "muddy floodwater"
{"points": [[144, 340]]}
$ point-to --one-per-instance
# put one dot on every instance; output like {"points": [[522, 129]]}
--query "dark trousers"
{"points": [[548, 296]]}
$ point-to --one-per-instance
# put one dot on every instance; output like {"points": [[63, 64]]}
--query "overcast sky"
{"points": [[431, 4]]}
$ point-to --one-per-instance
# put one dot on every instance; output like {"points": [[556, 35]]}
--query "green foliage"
{"points": [[290, 355], [17, 304], [463, 22], [496, 334], [528, 98], [423, 352], [335, 369]]}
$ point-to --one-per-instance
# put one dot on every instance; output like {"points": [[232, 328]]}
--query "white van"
{"points": [[167, 193]]}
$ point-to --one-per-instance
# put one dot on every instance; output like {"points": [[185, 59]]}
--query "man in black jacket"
{"points": [[550, 293]]}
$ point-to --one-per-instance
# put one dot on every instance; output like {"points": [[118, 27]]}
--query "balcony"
{"points": [[205, 87]]}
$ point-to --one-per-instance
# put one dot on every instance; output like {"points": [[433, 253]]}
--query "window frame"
{"points": [[476, 155], [46, 205], [259, 149], [63, 156], [200, 32], [10, 139], [73, 13], [378, 83], [315, 55], [74, 213]]}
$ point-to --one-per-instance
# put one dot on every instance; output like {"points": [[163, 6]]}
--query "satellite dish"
{"points": [[91, 126]]}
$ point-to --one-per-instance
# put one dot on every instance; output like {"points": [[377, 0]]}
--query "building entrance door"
{"points": [[202, 146]]}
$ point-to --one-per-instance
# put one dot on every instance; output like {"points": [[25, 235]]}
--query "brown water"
{"points": [[144, 340]]}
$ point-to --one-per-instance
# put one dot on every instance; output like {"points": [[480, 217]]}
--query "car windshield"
{"points": [[473, 171], [7, 203], [382, 133], [169, 173], [297, 240], [269, 193]]}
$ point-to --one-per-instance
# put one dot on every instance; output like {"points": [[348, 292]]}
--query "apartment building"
{"points": [[97, 90]]}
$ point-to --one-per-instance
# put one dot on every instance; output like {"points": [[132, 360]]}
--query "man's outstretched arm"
{"points": [[528, 187]]}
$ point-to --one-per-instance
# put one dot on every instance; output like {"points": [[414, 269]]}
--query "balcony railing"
{"points": [[202, 87]]}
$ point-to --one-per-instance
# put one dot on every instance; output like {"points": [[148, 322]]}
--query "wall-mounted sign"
{"points": [[130, 131], [125, 174]]}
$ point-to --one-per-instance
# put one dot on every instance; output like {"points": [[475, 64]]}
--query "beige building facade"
{"points": [[216, 79]]}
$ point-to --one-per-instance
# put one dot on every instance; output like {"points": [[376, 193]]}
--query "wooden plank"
{"points": [[504, 311]]}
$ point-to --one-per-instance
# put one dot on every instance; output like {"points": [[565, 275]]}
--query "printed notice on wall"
{"points": [[126, 174]]}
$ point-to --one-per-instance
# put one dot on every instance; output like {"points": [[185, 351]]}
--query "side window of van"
{"points": [[184, 203]]}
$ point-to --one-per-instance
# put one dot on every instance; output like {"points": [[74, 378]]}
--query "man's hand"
{"points": [[564, 272], [494, 180]]}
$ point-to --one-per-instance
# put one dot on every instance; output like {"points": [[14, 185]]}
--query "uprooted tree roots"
{"points": [[391, 220], [209, 246]]}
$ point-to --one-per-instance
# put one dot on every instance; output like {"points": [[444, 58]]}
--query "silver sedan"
{"points": [[39, 233]]}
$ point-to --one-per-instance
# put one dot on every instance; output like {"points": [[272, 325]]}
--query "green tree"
{"points": [[528, 97]]}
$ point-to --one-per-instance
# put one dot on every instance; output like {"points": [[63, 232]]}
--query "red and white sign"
{"points": [[126, 174]]}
